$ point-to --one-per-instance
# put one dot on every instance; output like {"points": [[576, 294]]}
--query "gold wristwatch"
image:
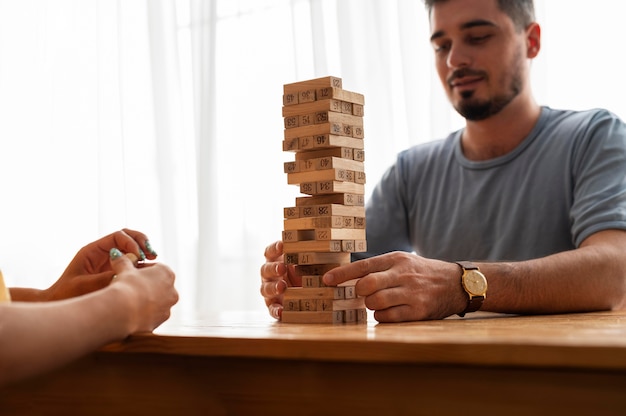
{"points": [[475, 284]]}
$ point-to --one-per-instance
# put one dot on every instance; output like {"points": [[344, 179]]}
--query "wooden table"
{"points": [[247, 364]]}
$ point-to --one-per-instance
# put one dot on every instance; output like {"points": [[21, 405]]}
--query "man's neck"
{"points": [[500, 133]]}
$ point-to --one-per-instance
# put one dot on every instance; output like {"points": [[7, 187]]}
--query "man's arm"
{"points": [[591, 277], [405, 287]]}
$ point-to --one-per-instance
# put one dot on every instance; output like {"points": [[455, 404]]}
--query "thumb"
{"points": [[120, 262]]}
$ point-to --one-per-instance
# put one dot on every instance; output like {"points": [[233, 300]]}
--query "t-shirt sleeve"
{"points": [[599, 177]]}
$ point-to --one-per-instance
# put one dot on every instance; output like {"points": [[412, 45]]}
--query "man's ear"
{"points": [[533, 40]]}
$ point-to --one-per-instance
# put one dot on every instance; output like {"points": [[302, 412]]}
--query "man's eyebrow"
{"points": [[467, 25]]}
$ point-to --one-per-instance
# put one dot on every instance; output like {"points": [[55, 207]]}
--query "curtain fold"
{"points": [[207, 287]]}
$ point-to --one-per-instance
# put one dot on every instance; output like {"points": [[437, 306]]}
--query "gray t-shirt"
{"points": [[564, 182]]}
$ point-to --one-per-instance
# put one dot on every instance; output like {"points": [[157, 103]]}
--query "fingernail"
{"points": [[281, 285], [114, 253], [142, 255], [149, 248], [328, 279]]}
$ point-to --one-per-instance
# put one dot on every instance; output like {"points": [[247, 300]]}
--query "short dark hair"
{"points": [[521, 12]]}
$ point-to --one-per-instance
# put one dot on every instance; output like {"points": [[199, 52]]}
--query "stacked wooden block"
{"points": [[324, 128]]}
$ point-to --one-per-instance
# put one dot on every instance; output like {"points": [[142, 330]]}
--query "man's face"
{"points": [[480, 57]]}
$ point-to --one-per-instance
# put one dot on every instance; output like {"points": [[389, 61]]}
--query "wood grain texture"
{"points": [[249, 364]]}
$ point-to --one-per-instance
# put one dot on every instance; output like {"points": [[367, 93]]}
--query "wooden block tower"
{"points": [[324, 128]]}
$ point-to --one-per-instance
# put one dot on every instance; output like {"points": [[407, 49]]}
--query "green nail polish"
{"points": [[142, 255], [115, 253], [149, 248]]}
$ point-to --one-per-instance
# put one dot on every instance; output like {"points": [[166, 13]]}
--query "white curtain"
{"points": [[165, 116]]}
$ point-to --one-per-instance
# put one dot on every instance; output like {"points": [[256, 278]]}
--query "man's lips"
{"points": [[464, 81], [465, 78]]}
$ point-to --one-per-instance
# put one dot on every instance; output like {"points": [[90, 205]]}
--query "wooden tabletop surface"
{"points": [[588, 340]]}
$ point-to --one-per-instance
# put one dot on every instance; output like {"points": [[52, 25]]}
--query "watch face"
{"points": [[475, 282]]}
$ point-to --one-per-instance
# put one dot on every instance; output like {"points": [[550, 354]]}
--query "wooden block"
{"points": [[324, 210], [324, 141], [291, 304], [328, 246], [316, 258], [321, 117], [348, 222], [308, 304], [312, 281], [357, 154], [325, 304], [329, 162], [320, 141], [342, 152], [313, 107], [358, 110], [341, 234], [5, 294], [325, 316], [337, 129], [360, 246], [361, 315], [353, 246], [346, 304], [327, 93], [318, 317], [306, 119], [306, 96], [357, 132], [359, 177], [341, 175], [349, 316], [314, 269], [343, 199], [313, 293], [291, 212], [291, 145], [350, 292], [331, 187], [298, 235], [316, 83], [359, 222], [309, 223], [290, 98], [340, 292], [291, 122], [291, 167]]}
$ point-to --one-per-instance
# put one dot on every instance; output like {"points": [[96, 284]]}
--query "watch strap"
{"points": [[467, 265], [474, 302]]}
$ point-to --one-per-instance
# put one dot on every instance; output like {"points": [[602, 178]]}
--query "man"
{"points": [[534, 197]]}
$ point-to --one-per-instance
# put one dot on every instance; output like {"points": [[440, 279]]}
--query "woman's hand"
{"points": [[90, 270]]}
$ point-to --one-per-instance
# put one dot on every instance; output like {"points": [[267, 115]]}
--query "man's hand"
{"points": [[401, 286], [275, 278]]}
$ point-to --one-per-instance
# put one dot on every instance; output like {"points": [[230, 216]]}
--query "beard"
{"points": [[475, 109]]}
